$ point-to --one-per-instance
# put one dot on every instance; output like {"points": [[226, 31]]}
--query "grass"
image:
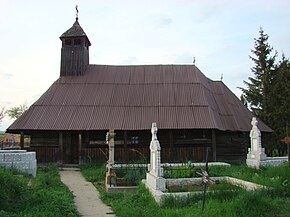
{"points": [[222, 185], [43, 196], [273, 202]]}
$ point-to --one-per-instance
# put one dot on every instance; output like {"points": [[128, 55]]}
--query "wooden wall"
{"points": [[176, 146]]}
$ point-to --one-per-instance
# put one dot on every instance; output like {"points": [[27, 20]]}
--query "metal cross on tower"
{"points": [[77, 12]]}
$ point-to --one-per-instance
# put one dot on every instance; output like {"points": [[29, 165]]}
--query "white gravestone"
{"points": [[155, 178], [256, 153]]}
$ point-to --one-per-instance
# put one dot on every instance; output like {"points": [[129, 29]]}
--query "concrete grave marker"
{"points": [[154, 178]]}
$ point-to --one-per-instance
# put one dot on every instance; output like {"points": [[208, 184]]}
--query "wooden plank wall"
{"points": [[230, 147], [46, 154]]}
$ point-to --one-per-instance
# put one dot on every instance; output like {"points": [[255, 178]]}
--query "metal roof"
{"points": [[132, 97]]}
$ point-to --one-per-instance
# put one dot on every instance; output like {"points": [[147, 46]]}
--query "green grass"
{"points": [[222, 185], [45, 196], [273, 202]]}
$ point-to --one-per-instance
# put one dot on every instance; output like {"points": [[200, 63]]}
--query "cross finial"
{"points": [[77, 12]]}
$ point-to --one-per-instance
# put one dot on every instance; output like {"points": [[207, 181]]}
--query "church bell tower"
{"points": [[74, 51]]}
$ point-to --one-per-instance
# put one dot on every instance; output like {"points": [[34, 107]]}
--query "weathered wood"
{"points": [[61, 146], [22, 140], [46, 154], [176, 146], [213, 139], [80, 147], [125, 138]]}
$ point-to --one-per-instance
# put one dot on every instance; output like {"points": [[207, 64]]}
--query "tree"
{"points": [[257, 91], [2, 114], [279, 116], [17, 111], [267, 93]]}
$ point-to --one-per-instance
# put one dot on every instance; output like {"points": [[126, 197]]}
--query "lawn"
{"points": [[274, 201], [43, 196]]}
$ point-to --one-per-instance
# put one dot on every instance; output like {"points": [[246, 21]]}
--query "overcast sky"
{"points": [[218, 33]]}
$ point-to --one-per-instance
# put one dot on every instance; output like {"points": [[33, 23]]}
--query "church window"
{"points": [[67, 42]]}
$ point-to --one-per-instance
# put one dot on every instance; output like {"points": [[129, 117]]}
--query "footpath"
{"points": [[86, 196]]}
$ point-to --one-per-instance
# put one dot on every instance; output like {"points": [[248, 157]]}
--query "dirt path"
{"points": [[86, 196]]}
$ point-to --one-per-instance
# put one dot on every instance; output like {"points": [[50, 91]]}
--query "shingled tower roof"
{"points": [[75, 31]]}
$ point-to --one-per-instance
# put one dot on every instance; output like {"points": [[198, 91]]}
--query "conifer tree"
{"points": [[257, 91], [267, 92], [279, 116]]}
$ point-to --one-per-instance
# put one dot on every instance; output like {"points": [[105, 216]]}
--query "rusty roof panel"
{"points": [[183, 95], [45, 99], [99, 118], [89, 94], [74, 94], [120, 95], [149, 115], [185, 118], [151, 95], [117, 114], [135, 95], [132, 118], [64, 118], [49, 118], [137, 76], [131, 97], [36, 116], [103, 96], [167, 118], [82, 116], [166, 94], [59, 95]]}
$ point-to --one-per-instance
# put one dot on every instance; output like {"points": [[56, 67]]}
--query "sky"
{"points": [[219, 34]]}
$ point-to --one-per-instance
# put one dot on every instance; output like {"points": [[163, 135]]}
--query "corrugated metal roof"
{"points": [[132, 97]]}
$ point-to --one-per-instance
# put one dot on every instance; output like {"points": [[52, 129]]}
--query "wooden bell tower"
{"points": [[74, 51]]}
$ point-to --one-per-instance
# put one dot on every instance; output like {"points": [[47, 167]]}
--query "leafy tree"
{"points": [[17, 111]]}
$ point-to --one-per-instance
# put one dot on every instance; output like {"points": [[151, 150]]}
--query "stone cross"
{"points": [[111, 144], [155, 159], [255, 136], [256, 154]]}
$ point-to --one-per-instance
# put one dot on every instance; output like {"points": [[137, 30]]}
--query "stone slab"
{"points": [[156, 183]]}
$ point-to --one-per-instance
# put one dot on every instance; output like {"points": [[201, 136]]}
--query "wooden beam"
{"points": [[60, 144], [22, 140], [213, 138], [170, 144], [125, 139], [170, 138], [80, 148]]}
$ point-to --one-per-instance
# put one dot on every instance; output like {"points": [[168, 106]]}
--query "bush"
{"points": [[47, 196]]}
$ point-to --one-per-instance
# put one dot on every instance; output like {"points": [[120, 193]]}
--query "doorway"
{"points": [[70, 148]]}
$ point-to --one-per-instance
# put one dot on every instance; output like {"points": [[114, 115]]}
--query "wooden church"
{"points": [[68, 123]]}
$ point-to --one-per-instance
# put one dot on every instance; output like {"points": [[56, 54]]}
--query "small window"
{"points": [[67, 42], [77, 41], [135, 140]]}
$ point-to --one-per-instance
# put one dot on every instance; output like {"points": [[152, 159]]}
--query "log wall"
{"points": [[176, 146]]}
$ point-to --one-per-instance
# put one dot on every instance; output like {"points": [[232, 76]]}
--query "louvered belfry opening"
{"points": [[74, 51]]}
